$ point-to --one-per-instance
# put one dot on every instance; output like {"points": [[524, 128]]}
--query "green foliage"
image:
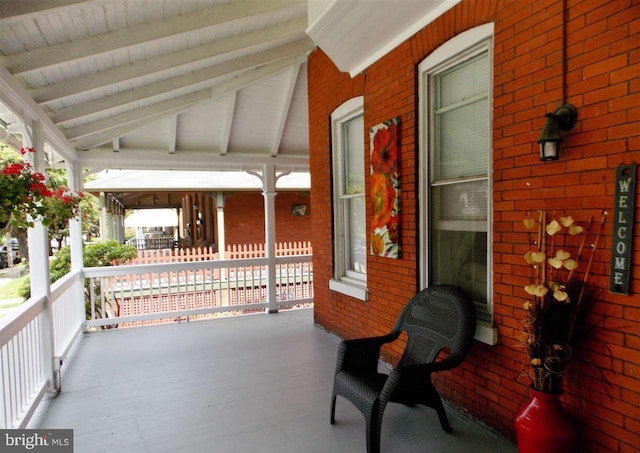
{"points": [[109, 253], [13, 289], [90, 215], [24, 288], [61, 264]]}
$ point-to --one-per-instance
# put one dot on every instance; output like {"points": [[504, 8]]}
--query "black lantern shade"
{"points": [[563, 119]]}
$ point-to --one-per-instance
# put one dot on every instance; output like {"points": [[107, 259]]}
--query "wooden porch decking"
{"points": [[258, 383]]}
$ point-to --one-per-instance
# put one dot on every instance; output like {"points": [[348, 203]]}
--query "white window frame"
{"points": [[344, 281], [458, 49]]}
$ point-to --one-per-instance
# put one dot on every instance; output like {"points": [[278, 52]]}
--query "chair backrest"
{"points": [[441, 316]]}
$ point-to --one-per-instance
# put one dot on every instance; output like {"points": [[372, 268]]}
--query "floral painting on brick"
{"points": [[385, 189]]}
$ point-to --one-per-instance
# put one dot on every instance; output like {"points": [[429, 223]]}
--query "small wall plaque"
{"points": [[623, 229], [299, 210]]}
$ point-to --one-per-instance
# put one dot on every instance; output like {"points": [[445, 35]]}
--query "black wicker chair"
{"points": [[438, 317]]}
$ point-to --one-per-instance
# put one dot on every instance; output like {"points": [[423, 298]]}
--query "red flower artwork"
{"points": [[385, 189], [383, 197], [384, 157], [394, 227], [377, 244]]}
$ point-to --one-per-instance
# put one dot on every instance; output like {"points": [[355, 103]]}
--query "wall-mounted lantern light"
{"points": [[563, 119]]}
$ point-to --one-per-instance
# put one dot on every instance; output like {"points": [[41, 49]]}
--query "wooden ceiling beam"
{"points": [[102, 131], [13, 11], [15, 98], [167, 86], [225, 135], [102, 79], [136, 119], [172, 133], [290, 85], [61, 54]]}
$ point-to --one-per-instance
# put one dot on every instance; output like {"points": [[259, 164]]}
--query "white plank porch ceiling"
{"points": [[188, 84]]}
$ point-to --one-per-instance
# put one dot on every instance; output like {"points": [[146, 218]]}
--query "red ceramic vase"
{"points": [[543, 426]]}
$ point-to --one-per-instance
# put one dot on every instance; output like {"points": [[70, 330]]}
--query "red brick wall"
{"points": [[244, 218], [603, 82]]}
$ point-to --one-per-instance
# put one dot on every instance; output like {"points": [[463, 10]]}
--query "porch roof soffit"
{"points": [[356, 33], [213, 84], [210, 181]]}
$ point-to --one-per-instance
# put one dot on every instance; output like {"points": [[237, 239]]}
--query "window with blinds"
{"points": [[455, 135], [459, 178], [350, 254], [352, 197]]}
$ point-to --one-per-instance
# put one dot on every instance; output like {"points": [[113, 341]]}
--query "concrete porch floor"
{"points": [[258, 383]]}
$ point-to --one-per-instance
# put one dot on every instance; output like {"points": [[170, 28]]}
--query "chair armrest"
{"points": [[423, 369], [361, 353]]}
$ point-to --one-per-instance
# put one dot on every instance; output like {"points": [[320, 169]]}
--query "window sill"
{"points": [[486, 333], [350, 288]]}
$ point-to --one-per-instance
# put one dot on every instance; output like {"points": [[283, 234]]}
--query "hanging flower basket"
{"points": [[22, 192], [25, 196], [61, 206]]}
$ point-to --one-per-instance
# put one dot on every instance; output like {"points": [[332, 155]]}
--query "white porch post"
{"points": [[38, 238], [118, 222], [74, 181], [105, 221], [222, 242], [269, 192], [268, 178]]}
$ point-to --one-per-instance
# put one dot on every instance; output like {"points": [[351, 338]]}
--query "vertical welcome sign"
{"points": [[623, 229]]}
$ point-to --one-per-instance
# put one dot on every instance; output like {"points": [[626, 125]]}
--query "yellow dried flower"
{"points": [[536, 290], [575, 229], [553, 227], [528, 258], [560, 295], [566, 221], [555, 263], [538, 257], [570, 264], [550, 313]]}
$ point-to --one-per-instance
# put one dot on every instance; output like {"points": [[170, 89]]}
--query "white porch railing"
{"points": [[35, 340], [33, 343], [152, 243], [173, 292]]}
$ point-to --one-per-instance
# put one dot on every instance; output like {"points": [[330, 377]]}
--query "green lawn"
{"points": [[10, 295], [11, 290]]}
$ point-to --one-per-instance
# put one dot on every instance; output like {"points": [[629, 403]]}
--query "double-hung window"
{"points": [[455, 129], [349, 229]]}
